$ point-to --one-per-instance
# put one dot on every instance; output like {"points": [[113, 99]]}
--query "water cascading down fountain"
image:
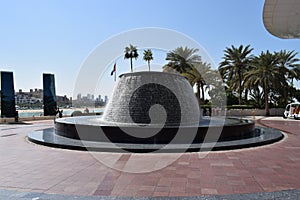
{"points": [[150, 111]]}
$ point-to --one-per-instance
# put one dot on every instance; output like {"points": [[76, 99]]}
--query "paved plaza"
{"points": [[31, 171]]}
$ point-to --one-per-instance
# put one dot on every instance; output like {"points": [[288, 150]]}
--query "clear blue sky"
{"points": [[55, 36]]}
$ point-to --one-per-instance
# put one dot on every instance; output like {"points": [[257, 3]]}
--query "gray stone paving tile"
{"points": [[19, 195]]}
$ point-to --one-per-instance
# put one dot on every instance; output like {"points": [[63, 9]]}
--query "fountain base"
{"points": [[236, 134]]}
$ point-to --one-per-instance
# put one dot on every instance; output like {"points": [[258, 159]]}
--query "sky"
{"points": [[56, 36]]}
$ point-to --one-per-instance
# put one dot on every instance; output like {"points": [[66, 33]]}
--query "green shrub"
{"points": [[76, 113], [240, 107]]}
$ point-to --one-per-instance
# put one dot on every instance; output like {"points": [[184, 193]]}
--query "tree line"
{"points": [[267, 79], [262, 80]]}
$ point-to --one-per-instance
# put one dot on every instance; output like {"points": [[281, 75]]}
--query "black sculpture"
{"points": [[8, 106], [49, 97]]}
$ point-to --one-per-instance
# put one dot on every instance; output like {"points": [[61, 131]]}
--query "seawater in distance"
{"points": [[29, 113]]}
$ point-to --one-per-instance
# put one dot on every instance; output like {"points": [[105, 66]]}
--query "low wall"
{"points": [[254, 112], [22, 119], [231, 112], [12, 120], [36, 118], [7, 120]]}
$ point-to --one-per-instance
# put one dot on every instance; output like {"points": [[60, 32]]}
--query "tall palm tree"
{"points": [[289, 64], [289, 68], [233, 66], [181, 59], [288, 61], [199, 74], [148, 57], [186, 62], [131, 52], [264, 73], [195, 78]]}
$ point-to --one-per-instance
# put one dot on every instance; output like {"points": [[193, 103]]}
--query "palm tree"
{"points": [[233, 66], [199, 74], [289, 68], [187, 62], [131, 52], [181, 59], [289, 64], [148, 57], [265, 73]]}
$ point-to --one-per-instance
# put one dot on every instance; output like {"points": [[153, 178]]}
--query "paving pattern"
{"points": [[28, 167]]}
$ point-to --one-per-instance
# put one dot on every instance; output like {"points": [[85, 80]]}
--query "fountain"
{"points": [[152, 111]]}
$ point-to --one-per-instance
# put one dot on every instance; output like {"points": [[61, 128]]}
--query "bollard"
{"points": [[253, 114]]}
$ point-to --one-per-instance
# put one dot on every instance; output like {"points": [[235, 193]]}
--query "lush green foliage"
{"points": [[235, 63], [267, 79], [188, 63], [182, 59]]}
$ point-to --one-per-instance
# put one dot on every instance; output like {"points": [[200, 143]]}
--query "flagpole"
{"points": [[114, 71], [115, 66]]}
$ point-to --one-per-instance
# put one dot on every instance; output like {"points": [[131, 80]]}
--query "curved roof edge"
{"points": [[281, 18]]}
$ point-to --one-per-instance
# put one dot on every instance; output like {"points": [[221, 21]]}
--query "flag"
{"points": [[114, 69]]}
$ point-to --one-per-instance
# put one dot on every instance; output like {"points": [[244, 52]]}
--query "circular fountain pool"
{"points": [[235, 134], [151, 111]]}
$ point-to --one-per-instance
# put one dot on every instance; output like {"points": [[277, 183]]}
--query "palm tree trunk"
{"points": [[267, 105], [240, 87], [198, 92], [266, 92], [149, 65], [202, 90], [246, 95], [285, 96], [131, 65]]}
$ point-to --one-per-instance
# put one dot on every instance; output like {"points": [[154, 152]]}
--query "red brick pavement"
{"points": [[31, 167]]}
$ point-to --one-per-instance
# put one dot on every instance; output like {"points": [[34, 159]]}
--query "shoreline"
{"points": [[91, 109]]}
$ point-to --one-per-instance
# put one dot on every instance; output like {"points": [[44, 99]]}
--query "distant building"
{"points": [[31, 97], [89, 97], [105, 100], [63, 100], [35, 96], [89, 101]]}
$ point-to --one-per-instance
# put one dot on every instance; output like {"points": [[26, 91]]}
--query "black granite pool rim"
{"points": [[24, 195], [88, 129], [48, 137]]}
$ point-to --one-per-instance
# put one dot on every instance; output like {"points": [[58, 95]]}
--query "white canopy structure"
{"points": [[282, 18]]}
